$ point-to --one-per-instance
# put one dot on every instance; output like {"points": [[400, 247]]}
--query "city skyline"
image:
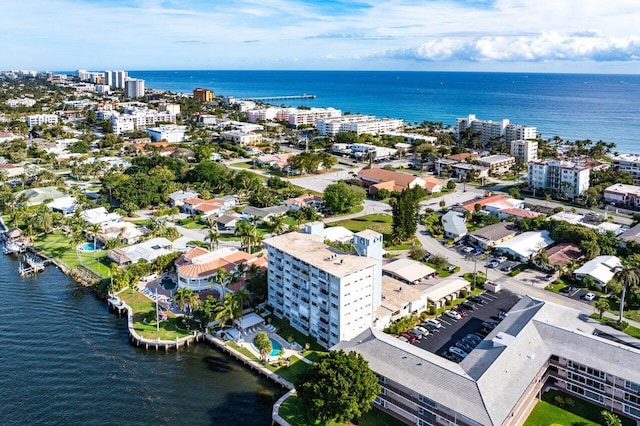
{"points": [[456, 35]]}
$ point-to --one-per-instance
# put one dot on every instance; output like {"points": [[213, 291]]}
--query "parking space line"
{"points": [[444, 321]]}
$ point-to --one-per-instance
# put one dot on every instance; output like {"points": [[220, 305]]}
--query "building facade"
{"points": [[525, 149], [40, 119], [321, 291], [513, 132], [202, 95], [134, 88], [561, 176], [628, 163], [359, 124], [493, 130], [621, 194]]}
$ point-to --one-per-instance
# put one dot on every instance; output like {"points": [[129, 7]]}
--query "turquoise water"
{"points": [[275, 347], [87, 247], [572, 106]]}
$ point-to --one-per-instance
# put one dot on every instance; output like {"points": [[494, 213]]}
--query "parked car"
{"points": [[457, 351], [426, 257], [493, 264], [462, 345], [403, 339], [501, 259], [568, 289], [477, 299], [451, 268], [468, 306], [489, 325], [473, 337], [468, 249], [462, 312], [415, 334], [507, 268], [410, 337], [589, 296], [502, 315], [453, 314], [453, 357], [469, 342], [549, 277], [422, 330], [433, 324]]}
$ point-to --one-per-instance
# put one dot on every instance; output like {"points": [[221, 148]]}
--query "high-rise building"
{"points": [[202, 95], [526, 150], [492, 130], [321, 291], [115, 79], [519, 132], [134, 88]]}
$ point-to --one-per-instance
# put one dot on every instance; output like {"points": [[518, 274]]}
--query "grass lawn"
{"points": [[57, 245], [582, 413], [242, 165], [378, 222], [521, 267], [291, 373], [630, 330], [195, 224], [293, 412], [286, 331], [142, 306]]}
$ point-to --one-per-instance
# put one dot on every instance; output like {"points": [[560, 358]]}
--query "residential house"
{"points": [[228, 221], [176, 199], [561, 255], [124, 232], [517, 214], [305, 200], [264, 213], [492, 235], [454, 225], [99, 216], [525, 246], [377, 179], [148, 251], [65, 205], [491, 204], [601, 269]]}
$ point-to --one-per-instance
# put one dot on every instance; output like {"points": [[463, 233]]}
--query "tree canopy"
{"points": [[340, 387], [340, 197]]}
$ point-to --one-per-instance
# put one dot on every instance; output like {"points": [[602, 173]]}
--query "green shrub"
{"points": [[464, 293], [558, 400], [620, 326], [432, 310]]}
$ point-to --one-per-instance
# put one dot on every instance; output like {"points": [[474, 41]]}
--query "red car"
{"points": [[462, 312], [410, 337]]}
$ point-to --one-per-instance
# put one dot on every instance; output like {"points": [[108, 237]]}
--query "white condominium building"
{"points": [[293, 116], [322, 291], [627, 163], [135, 118], [524, 149], [359, 124], [28, 102], [492, 130], [39, 119], [134, 88], [115, 79], [558, 175], [170, 133]]}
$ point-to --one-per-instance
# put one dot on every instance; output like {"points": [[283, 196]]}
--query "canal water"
{"points": [[66, 360]]}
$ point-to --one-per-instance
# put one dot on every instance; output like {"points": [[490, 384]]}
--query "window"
{"points": [[632, 386], [427, 401], [585, 381], [631, 411], [587, 370], [632, 398]]}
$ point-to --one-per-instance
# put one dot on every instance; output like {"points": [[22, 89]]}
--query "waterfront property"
{"points": [[321, 291], [538, 344], [566, 177]]}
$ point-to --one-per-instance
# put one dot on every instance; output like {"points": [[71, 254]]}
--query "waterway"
{"points": [[65, 359]]}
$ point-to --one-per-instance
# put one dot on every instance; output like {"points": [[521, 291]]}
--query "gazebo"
{"points": [[248, 321]]}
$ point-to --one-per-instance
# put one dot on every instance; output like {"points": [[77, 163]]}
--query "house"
{"points": [[176, 199], [274, 161], [463, 170], [454, 225], [561, 255], [64, 205], [124, 232], [37, 196], [264, 213], [491, 204], [305, 200], [390, 180], [99, 216], [432, 184], [492, 235], [632, 234], [517, 213], [207, 208], [463, 157], [526, 245], [408, 271], [148, 251], [228, 221], [601, 269]]}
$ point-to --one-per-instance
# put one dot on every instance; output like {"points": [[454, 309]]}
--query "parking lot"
{"points": [[439, 340], [577, 293]]}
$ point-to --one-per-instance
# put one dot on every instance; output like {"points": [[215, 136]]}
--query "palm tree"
{"points": [[213, 235], [185, 297], [228, 309], [602, 304], [221, 278], [276, 224], [93, 231], [610, 419], [242, 296], [242, 230], [627, 276]]}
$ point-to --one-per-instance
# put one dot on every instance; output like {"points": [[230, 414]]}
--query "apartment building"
{"points": [[567, 177], [627, 163], [321, 291], [498, 164], [135, 118], [239, 137], [525, 149], [134, 88], [538, 344], [621, 194], [40, 119], [358, 123], [492, 130], [27, 102], [116, 79], [170, 133]]}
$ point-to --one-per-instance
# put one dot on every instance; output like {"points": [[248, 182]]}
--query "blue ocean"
{"points": [[573, 106]]}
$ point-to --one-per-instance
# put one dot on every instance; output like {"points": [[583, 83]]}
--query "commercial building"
{"points": [[560, 176], [525, 149], [627, 163], [621, 194], [538, 345], [202, 95], [134, 88], [40, 119], [321, 291]]}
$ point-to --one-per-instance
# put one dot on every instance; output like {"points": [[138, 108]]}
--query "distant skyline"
{"points": [[424, 35]]}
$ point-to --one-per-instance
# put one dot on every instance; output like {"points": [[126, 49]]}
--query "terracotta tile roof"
{"points": [[462, 156], [469, 205], [562, 254], [376, 175], [513, 211], [187, 267], [431, 182]]}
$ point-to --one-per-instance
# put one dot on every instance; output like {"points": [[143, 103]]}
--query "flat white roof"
{"points": [[527, 243], [445, 288], [407, 269]]}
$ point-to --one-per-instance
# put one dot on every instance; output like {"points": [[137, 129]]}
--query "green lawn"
{"points": [[293, 412], [378, 222], [194, 224], [286, 331], [142, 307], [291, 373], [242, 165], [57, 245], [582, 413], [630, 330]]}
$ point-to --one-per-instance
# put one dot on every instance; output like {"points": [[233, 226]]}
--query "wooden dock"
{"points": [[30, 265]]}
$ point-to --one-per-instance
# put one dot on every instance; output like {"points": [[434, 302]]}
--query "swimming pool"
{"points": [[89, 247], [275, 347]]}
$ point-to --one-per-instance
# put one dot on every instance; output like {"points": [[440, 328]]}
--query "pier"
{"points": [[281, 98], [30, 265]]}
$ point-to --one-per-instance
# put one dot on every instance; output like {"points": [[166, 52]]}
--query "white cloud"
{"points": [[547, 46]]}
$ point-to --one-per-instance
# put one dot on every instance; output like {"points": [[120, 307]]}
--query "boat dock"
{"points": [[281, 98], [30, 265]]}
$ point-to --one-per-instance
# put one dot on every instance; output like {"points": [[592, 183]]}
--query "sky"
{"points": [[599, 36]]}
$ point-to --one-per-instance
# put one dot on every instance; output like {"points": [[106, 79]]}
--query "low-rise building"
{"points": [[99, 216], [498, 164], [601, 269], [525, 149], [492, 235], [377, 179], [148, 250], [446, 290], [170, 133], [525, 246], [454, 225], [561, 176], [561, 255], [304, 200], [40, 119], [398, 301], [359, 124], [624, 195], [627, 163], [408, 271], [239, 137]]}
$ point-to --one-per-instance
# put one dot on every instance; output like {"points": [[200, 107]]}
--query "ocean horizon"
{"points": [[572, 106]]}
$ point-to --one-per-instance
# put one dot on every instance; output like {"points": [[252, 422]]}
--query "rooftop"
{"points": [[408, 270]]}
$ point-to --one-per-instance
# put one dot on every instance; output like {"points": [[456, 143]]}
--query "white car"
{"points": [[453, 314], [501, 259], [468, 249], [433, 323], [589, 297]]}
